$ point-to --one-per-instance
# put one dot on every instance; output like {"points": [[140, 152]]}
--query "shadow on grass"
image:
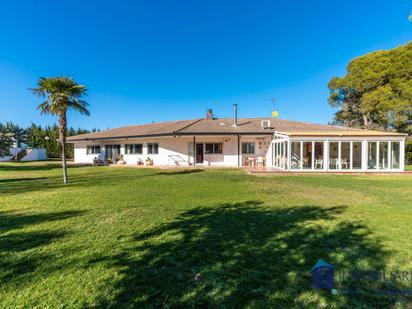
{"points": [[14, 180], [178, 172], [33, 166], [20, 252], [240, 255], [27, 166]]}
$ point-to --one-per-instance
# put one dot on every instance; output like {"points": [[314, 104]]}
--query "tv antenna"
{"points": [[275, 113]]}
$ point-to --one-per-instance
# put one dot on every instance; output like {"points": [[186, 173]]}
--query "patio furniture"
{"points": [[345, 163], [260, 161], [318, 163], [334, 164], [251, 161], [97, 162]]}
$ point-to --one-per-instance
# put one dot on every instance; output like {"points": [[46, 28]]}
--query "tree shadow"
{"points": [[21, 252], [14, 180], [27, 166], [240, 255], [178, 172], [33, 166]]}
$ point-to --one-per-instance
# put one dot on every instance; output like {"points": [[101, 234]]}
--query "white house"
{"points": [[286, 145]]}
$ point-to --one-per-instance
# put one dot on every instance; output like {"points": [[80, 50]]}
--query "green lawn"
{"points": [[126, 237]]}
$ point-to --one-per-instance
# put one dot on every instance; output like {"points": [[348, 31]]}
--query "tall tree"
{"points": [[376, 92], [6, 141], [62, 94]]}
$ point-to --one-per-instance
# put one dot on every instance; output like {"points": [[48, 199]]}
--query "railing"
{"points": [[177, 160]]}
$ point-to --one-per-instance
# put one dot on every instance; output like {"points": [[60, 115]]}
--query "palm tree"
{"points": [[62, 94]]}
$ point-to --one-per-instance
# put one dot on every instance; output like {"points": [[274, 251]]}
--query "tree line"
{"points": [[37, 136]]}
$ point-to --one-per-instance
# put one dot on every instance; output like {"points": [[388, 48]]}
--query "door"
{"points": [[199, 153], [112, 152]]}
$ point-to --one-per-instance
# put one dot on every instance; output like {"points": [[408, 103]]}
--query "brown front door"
{"points": [[199, 153]]}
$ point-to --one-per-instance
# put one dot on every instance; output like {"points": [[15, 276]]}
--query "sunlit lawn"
{"points": [[144, 237]]}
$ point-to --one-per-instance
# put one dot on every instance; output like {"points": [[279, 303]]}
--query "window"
{"points": [[333, 155], [357, 155], [307, 155], [372, 149], [93, 149], [383, 155], [396, 151], [295, 155], [248, 148], [134, 148], [152, 148], [345, 155], [213, 148], [318, 155]]}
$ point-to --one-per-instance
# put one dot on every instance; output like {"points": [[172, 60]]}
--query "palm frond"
{"points": [[62, 93], [79, 106]]}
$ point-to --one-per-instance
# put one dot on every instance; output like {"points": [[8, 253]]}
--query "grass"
{"points": [[124, 237]]}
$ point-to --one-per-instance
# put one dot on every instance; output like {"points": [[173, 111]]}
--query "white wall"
{"points": [[36, 154], [175, 150]]}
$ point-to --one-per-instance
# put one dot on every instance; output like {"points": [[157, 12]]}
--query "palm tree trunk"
{"points": [[62, 133]]}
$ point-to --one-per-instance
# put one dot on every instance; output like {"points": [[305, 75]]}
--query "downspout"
{"points": [[194, 150], [238, 150]]}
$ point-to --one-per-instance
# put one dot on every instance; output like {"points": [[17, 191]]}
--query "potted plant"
{"points": [[149, 162], [120, 160]]}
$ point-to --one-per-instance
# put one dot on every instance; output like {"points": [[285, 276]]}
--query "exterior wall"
{"points": [[37, 154], [176, 151]]}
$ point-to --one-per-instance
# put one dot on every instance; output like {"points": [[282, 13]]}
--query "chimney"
{"points": [[209, 114], [234, 115]]}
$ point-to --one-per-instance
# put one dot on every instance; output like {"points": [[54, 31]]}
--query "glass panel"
{"points": [[152, 148], [345, 155], [219, 148], [396, 152], [208, 148], [383, 155], [295, 155], [318, 155], [357, 155], [248, 148], [280, 156], [333, 155], [307, 155], [285, 158], [372, 155]]}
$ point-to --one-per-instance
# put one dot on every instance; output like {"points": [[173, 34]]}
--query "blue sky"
{"points": [[146, 61]]}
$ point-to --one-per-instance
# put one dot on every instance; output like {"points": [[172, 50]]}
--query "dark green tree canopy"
{"points": [[376, 92]]}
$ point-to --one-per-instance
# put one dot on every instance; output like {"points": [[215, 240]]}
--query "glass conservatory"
{"points": [[338, 153]]}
